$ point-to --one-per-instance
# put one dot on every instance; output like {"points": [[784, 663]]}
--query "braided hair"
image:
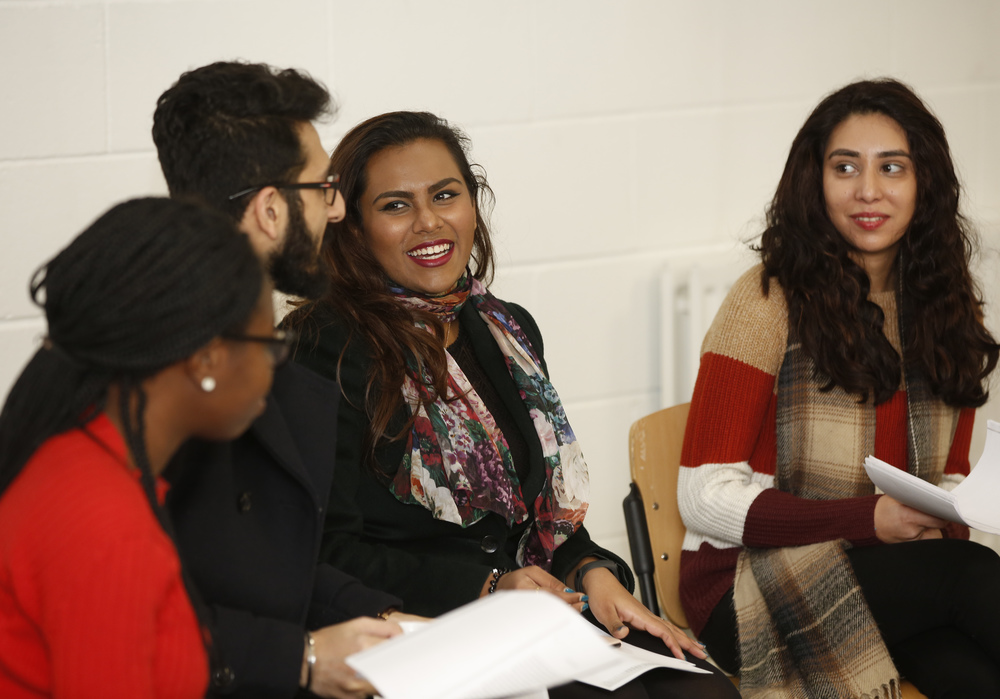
{"points": [[145, 286]]}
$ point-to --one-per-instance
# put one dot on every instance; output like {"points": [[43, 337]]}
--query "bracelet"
{"points": [[384, 614], [310, 659], [497, 574], [587, 567]]}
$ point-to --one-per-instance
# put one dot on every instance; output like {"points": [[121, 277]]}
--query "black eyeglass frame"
{"points": [[279, 344], [332, 183]]}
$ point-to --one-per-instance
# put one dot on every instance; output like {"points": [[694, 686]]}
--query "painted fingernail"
{"points": [[585, 607], [585, 598], [568, 591], [620, 628], [701, 644]]}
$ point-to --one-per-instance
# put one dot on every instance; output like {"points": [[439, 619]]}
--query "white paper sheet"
{"points": [[633, 662], [504, 645], [974, 502], [511, 644], [912, 491]]}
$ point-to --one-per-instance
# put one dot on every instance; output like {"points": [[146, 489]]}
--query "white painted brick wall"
{"points": [[151, 44], [52, 86], [619, 137], [48, 201]]}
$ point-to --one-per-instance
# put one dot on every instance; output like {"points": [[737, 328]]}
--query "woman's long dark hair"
{"points": [[145, 286], [358, 291], [827, 292]]}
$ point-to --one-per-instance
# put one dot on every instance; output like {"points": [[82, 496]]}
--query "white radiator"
{"points": [[689, 300]]}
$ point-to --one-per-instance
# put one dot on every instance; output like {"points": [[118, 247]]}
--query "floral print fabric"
{"points": [[457, 463]]}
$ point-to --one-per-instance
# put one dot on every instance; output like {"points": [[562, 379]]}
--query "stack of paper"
{"points": [[973, 502], [504, 645]]}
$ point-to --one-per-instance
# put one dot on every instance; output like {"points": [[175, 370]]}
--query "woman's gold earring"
{"points": [[208, 384]]}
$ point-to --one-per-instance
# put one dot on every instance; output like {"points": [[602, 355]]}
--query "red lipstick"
{"points": [[433, 253], [869, 220]]}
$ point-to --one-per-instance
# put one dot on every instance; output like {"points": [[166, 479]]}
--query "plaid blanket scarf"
{"points": [[805, 629]]}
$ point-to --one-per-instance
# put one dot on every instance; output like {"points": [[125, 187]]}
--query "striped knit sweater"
{"points": [[726, 488]]}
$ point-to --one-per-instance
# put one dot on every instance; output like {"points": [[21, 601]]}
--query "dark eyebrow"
{"points": [[409, 195], [442, 184], [393, 195], [854, 154], [894, 154]]}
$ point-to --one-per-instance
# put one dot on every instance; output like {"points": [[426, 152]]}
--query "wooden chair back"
{"points": [[654, 459]]}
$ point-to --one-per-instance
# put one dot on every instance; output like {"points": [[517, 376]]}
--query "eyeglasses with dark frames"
{"points": [[279, 345], [329, 187]]}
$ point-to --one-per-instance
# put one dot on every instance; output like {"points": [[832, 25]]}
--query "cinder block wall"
{"points": [[619, 137]]}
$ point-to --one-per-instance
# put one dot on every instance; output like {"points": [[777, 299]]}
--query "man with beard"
{"points": [[248, 515]]}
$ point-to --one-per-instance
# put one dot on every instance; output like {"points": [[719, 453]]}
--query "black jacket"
{"points": [[248, 516], [434, 566]]}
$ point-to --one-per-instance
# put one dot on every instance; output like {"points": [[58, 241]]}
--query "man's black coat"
{"points": [[249, 518]]}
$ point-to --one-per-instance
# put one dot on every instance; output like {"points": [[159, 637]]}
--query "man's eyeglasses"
{"points": [[279, 345], [329, 187]]}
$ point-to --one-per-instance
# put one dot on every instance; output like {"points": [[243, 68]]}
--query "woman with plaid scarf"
{"points": [[860, 333]]}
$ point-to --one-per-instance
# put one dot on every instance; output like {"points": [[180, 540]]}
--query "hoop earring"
{"points": [[208, 384]]}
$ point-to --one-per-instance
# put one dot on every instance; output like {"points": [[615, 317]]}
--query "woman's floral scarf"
{"points": [[457, 463]]}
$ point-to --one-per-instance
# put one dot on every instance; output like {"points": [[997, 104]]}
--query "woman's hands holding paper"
{"points": [[896, 522], [614, 607]]}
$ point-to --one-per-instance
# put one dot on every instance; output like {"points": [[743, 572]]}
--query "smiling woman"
{"points": [[870, 190], [458, 473], [861, 333], [420, 225]]}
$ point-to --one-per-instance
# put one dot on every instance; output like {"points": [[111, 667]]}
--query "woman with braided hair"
{"points": [[860, 333], [159, 329]]}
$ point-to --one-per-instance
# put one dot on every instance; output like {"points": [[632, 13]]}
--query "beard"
{"points": [[295, 267]]}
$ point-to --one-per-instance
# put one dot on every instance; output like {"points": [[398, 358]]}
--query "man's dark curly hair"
{"points": [[827, 292], [227, 126]]}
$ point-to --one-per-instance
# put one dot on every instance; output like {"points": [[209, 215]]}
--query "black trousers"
{"points": [[937, 604], [655, 684]]}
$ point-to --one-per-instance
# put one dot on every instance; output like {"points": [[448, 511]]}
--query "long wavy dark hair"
{"points": [[145, 286], [827, 292], [358, 291]]}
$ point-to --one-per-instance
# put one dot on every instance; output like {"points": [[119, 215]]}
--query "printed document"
{"points": [[509, 644], [972, 502]]}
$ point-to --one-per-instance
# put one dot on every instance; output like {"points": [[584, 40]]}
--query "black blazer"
{"points": [[248, 517], [434, 566]]}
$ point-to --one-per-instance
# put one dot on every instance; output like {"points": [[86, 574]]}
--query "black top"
{"points": [[248, 516], [433, 565]]}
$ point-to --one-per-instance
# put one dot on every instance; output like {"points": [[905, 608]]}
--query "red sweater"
{"points": [[725, 488], [91, 599]]}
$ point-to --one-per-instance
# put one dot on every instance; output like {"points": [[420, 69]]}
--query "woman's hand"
{"points": [[331, 676], [896, 522], [534, 578], [400, 617], [613, 606]]}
